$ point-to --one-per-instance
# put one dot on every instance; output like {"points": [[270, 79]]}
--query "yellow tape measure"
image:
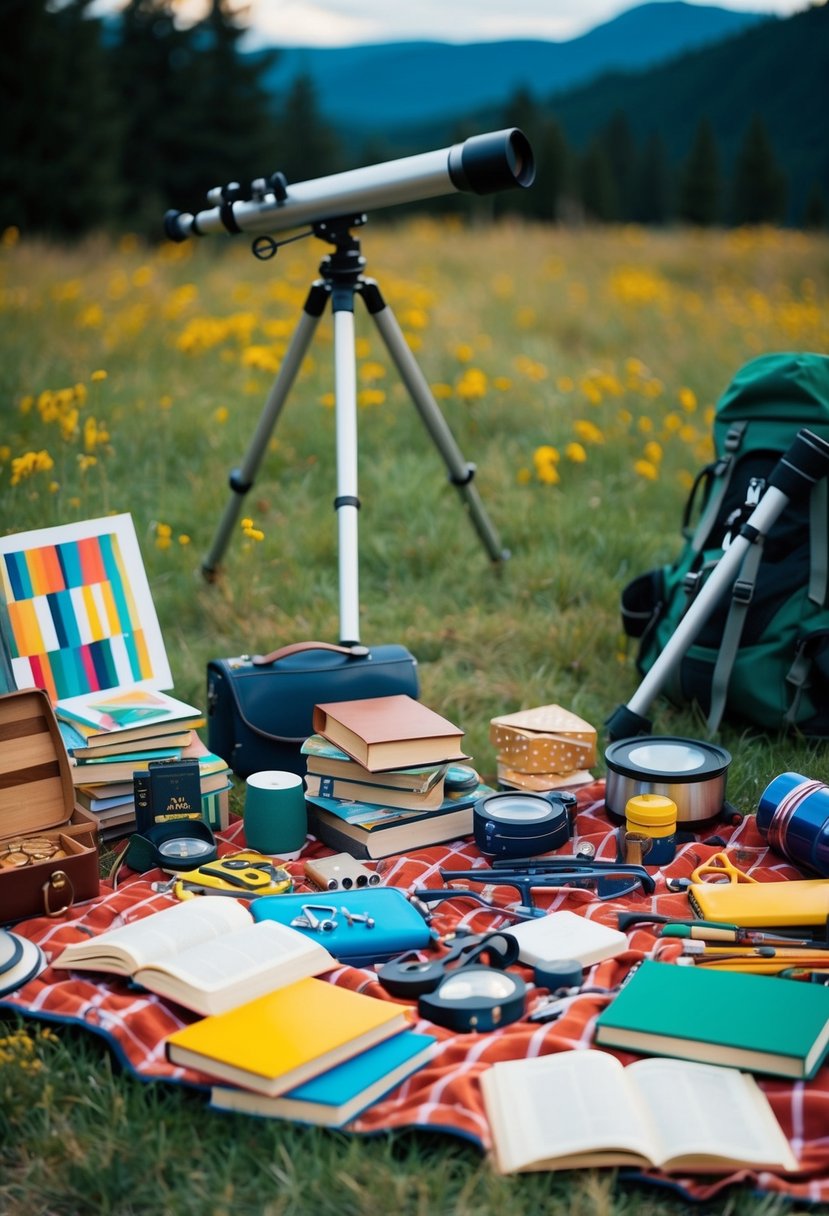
{"points": [[245, 874]]}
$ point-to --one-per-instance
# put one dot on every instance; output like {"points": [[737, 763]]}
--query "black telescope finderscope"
{"points": [[483, 164]]}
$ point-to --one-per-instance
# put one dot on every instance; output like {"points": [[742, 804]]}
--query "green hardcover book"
{"points": [[761, 1023]]}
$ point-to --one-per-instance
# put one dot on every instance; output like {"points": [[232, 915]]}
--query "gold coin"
{"points": [[18, 859], [38, 848]]}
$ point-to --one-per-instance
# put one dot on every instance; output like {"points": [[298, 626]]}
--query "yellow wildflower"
{"points": [[588, 431], [576, 453], [30, 463]]}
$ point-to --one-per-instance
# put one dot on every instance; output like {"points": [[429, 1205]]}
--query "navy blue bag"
{"points": [[260, 707]]}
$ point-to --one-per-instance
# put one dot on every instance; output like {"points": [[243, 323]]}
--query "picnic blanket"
{"points": [[444, 1095]]}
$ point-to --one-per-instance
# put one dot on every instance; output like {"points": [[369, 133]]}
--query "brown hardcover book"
{"points": [[389, 732]]}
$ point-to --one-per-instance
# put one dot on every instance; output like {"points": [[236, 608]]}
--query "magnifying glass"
{"points": [[475, 998]]}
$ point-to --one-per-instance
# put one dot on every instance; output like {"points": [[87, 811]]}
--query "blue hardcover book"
{"points": [[335, 1097]]}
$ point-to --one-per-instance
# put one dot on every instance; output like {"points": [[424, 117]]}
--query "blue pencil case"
{"points": [[357, 927]]}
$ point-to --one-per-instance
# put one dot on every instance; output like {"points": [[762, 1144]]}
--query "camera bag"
{"points": [[260, 707]]}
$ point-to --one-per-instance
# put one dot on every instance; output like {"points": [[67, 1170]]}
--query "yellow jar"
{"points": [[653, 816]]}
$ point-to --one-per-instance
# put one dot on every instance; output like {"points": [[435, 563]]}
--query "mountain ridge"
{"points": [[377, 88]]}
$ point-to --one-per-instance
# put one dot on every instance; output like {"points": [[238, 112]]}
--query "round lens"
{"points": [[517, 808], [185, 846], [489, 985], [667, 758]]}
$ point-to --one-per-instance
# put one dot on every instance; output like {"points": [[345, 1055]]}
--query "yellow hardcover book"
{"points": [[283, 1038]]}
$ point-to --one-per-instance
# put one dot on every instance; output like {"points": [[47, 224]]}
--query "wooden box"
{"points": [[48, 845]]}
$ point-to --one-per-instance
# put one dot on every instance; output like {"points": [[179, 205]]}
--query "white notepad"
{"points": [[566, 935]]}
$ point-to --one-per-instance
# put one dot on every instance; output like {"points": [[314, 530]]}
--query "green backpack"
{"points": [[762, 656]]}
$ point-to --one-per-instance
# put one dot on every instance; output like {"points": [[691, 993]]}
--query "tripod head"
{"points": [[483, 164]]}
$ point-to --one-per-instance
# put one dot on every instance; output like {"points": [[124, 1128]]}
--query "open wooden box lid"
{"points": [[36, 789]]}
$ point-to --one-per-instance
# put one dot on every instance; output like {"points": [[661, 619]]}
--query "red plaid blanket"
{"points": [[444, 1095]]}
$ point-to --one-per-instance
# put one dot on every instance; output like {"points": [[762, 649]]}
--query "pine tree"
{"points": [[815, 213], [304, 145], [196, 111], [700, 186], [651, 194], [599, 196], [619, 145], [759, 184], [61, 130]]}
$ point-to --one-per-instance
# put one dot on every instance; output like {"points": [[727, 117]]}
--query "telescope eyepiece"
{"points": [[499, 160]]}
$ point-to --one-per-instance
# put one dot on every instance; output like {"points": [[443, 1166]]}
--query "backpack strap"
{"points": [[720, 480], [819, 547], [741, 596]]}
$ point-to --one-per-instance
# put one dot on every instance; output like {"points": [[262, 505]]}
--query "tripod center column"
{"points": [[347, 502]]}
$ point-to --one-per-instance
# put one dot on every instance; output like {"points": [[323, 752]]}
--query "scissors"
{"points": [[719, 868]]}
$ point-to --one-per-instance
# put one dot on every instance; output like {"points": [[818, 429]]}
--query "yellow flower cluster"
{"points": [[250, 532], [28, 464], [472, 385]]}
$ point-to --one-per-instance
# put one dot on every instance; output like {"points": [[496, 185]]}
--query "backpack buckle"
{"points": [[742, 591]]}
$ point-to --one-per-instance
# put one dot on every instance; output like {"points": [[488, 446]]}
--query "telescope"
{"points": [[482, 164]]}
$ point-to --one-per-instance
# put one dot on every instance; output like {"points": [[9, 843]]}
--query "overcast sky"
{"points": [[344, 22], [340, 22]]}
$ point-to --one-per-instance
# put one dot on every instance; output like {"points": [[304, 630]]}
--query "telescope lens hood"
{"points": [[498, 160]]}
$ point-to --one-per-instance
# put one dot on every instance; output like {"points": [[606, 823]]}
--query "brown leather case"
{"points": [[37, 804]]}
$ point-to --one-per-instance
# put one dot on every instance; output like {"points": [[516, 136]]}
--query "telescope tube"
{"points": [[483, 164]]}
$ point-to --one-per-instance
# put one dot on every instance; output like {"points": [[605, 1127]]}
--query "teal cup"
{"points": [[275, 818]]}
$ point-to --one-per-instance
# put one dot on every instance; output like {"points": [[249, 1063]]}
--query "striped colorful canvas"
{"points": [[80, 609]]}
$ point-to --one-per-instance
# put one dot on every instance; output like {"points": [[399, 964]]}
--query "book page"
{"points": [[158, 936], [256, 949], [560, 1105], [707, 1111]]}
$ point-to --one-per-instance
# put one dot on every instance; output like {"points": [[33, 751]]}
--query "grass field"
{"points": [[577, 369]]}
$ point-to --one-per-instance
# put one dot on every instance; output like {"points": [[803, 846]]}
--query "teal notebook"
{"points": [[335, 1097], [760, 1023]]}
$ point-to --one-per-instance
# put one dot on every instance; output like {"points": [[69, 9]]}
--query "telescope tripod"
{"points": [[341, 280]]}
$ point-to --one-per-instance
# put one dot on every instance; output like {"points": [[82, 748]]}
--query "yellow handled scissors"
{"points": [[720, 868]]}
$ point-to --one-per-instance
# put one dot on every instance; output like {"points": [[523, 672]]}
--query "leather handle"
{"points": [[354, 652]]}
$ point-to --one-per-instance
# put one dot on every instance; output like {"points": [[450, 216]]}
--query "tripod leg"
{"points": [[241, 479], [461, 472]]}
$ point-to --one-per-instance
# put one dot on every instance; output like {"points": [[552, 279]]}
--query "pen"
{"points": [[794, 954]]}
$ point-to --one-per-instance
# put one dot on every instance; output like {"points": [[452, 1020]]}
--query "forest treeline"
{"points": [[107, 124]]}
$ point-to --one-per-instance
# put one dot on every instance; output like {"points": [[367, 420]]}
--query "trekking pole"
{"points": [[792, 479]]}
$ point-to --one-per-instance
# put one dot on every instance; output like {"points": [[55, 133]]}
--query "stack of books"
{"points": [[112, 735], [546, 748], [384, 776]]}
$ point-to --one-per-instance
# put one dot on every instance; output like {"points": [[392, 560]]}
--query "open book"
{"points": [[577, 1109], [207, 954]]}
